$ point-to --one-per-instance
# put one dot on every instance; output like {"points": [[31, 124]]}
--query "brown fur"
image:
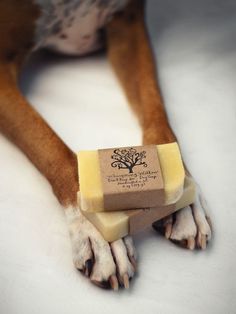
{"points": [[129, 52]]}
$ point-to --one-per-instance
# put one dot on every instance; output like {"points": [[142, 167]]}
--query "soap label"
{"points": [[131, 177], [144, 218]]}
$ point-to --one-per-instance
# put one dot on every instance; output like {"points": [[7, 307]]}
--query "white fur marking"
{"points": [[200, 217], [73, 26], [184, 227], [86, 239]]}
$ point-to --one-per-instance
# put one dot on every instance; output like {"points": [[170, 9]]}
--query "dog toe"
{"points": [[82, 254], [125, 269], [184, 227], [203, 222], [131, 251]]}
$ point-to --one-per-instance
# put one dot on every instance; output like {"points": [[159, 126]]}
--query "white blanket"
{"points": [[195, 45]]}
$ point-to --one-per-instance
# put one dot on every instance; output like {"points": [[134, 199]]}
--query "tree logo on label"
{"points": [[128, 158]]}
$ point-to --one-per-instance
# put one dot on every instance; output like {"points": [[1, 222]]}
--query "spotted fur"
{"points": [[74, 26]]}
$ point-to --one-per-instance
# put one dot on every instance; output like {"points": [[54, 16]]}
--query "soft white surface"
{"points": [[194, 42]]}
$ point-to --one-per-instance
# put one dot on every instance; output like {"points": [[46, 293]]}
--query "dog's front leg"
{"points": [[26, 128], [98, 259], [131, 56]]}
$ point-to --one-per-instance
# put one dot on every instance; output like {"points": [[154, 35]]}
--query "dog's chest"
{"points": [[73, 26]]}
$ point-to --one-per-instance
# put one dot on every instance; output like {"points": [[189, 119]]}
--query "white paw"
{"points": [[189, 226], [101, 261]]}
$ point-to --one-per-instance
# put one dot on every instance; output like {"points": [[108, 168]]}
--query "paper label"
{"points": [[131, 177], [143, 218]]}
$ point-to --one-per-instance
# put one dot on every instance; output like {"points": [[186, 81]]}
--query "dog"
{"points": [[79, 27]]}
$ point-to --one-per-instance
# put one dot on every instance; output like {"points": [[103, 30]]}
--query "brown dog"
{"points": [[76, 27]]}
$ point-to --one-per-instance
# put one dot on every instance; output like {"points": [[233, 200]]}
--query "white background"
{"points": [[195, 45]]}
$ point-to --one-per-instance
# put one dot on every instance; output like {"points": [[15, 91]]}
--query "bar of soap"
{"points": [[130, 177], [115, 225], [172, 170]]}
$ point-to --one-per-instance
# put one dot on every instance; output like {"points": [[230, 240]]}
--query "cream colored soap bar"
{"points": [[169, 177], [172, 170], [115, 225]]}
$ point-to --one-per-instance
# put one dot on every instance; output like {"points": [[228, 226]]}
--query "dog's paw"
{"points": [[106, 264], [190, 227]]}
